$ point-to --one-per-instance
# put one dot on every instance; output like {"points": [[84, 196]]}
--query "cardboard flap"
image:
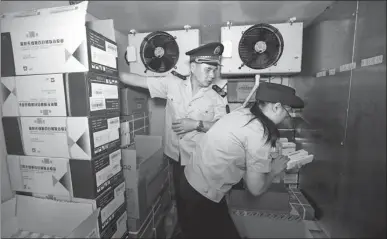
{"points": [[146, 145], [48, 17], [8, 218], [85, 229], [103, 27], [50, 217]]}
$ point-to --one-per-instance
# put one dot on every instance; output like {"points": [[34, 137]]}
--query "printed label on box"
{"points": [[111, 202], [44, 136], [38, 51], [105, 131], [41, 95], [40, 175], [109, 171]]}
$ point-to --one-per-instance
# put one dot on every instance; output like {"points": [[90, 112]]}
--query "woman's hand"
{"points": [[279, 164]]}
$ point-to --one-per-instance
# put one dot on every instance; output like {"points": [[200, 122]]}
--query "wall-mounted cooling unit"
{"points": [[161, 52], [266, 49]]}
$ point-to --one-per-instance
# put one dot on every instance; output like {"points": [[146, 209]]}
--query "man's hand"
{"points": [[279, 164], [182, 126]]}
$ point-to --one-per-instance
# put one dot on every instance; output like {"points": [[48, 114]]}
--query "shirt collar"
{"points": [[187, 83]]}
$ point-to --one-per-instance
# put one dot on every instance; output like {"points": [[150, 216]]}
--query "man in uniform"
{"points": [[192, 106]]}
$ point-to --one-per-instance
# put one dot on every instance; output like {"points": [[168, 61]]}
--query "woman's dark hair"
{"points": [[270, 130]]}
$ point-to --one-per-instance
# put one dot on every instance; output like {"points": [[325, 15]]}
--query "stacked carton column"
{"points": [[146, 171], [61, 112]]}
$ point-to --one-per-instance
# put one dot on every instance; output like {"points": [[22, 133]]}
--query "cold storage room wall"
{"points": [[346, 109]]}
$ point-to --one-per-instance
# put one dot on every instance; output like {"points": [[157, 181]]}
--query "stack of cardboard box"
{"points": [[146, 171], [290, 177], [147, 178], [61, 113], [134, 115]]}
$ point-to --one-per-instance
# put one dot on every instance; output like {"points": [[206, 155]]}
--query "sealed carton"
{"points": [[54, 40], [72, 94], [63, 177], [134, 100], [118, 228], [62, 137], [24, 216]]}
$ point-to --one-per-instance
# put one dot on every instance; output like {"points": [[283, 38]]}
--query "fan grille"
{"points": [[159, 52], [261, 46]]}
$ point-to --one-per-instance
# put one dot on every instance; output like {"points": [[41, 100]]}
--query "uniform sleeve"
{"points": [[158, 86], [257, 153], [219, 108]]}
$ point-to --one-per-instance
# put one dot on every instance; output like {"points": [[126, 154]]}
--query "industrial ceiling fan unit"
{"points": [[161, 53], [267, 49]]}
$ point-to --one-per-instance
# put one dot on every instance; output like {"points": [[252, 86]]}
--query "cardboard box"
{"points": [[145, 228], [74, 94], [301, 205], [54, 40], [112, 202], [134, 100], [253, 223], [47, 218], [250, 225], [141, 197], [237, 91], [117, 228], [145, 172], [144, 159], [131, 125], [65, 177], [63, 137], [275, 199]]}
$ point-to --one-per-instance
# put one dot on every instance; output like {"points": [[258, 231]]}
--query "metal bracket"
{"points": [[187, 27], [229, 24], [292, 20], [133, 31]]}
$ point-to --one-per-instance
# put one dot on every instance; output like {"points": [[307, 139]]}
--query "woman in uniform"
{"points": [[237, 146]]}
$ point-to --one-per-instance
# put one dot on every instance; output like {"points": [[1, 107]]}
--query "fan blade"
{"points": [[252, 58], [250, 41], [269, 36], [158, 40], [169, 41], [155, 63], [162, 66], [169, 62], [272, 48], [262, 60], [148, 52]]}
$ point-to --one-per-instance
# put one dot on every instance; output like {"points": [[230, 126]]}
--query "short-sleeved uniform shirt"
{"points": [[225, 152], [206, 105]]}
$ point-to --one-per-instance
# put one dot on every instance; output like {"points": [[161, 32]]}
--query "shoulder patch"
{"points": [[219, 90], [178, 75]]}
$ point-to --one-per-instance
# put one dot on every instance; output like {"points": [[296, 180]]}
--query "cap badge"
{"points": [[217, 50]]}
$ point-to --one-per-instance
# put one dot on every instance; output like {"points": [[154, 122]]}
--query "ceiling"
{"points": [[147, 16]]}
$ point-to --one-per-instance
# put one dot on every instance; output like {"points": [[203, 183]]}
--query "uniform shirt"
{"points": [[206, 105], [225, 151]]}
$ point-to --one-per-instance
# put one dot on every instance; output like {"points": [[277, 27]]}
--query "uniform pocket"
{"points": [[207, 113]]}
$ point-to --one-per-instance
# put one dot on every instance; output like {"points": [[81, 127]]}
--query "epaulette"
{"points": [[178, 75], [219, 90]]}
